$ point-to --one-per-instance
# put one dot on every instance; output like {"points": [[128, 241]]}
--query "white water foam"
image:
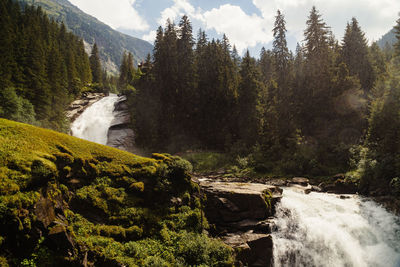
{"points": [[94, 122], [322, 229]]}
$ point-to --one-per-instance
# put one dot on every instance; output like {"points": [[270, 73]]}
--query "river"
{"points": [[321, 229]]}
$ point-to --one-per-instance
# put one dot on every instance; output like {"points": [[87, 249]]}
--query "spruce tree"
{"points": [[249, 92], [356, 55], [280, 49], [95, 65]]}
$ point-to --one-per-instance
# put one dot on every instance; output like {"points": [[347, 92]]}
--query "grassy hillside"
{"points": [[111, 43], [69, 201]]}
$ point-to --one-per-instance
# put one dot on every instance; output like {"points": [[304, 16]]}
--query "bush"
{"points": [[137, 187], [14, 107]]}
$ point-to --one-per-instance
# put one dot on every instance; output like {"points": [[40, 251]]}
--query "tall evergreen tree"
{"points": [[280, 49], [95, 65], [356, 55], [249, 93], [186, 73]]}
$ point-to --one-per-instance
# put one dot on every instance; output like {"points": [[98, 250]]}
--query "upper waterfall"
{"points": [[94, 122], [322, 229]]}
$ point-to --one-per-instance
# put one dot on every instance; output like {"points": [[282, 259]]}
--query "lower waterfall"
{"points": [[321, 229]]}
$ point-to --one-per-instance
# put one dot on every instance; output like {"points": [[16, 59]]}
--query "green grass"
{"points": [[116, 206], [208, 161]]}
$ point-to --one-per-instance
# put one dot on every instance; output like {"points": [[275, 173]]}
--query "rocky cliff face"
{"points": [[120, 134], [241, 214]]}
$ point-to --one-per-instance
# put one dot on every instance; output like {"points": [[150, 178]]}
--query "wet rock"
{"points": [[233, 202], [300, 188], [277, 182], [263, 227], [120, 134], [300, 180], [339, 186], [78, 106], [316, 188], [251, 249], [240, 211]]}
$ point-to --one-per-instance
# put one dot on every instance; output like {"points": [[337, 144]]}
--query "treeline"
{"points": [[289, 113], [377, 161], [43, 67]]}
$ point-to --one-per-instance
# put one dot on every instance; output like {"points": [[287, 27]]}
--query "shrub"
{"points": [[137, 187]]}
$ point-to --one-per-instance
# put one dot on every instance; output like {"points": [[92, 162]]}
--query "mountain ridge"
{"points": [[388, 38], [111, 43]]}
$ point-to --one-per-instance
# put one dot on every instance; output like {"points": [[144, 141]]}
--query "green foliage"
{"points": [[14, 107], [95, 66], [44, 68], [378, 162], [87, 188], [138, 186]]}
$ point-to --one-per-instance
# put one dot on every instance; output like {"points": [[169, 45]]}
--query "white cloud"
{"points": [[375, 17], [178, 9], [242, 30], [150, 37], [117, 14]]}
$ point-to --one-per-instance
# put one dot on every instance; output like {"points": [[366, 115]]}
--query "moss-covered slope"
{"points": [[68, 201]]}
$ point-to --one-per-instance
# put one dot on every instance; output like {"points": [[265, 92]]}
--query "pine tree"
{"points": [[280, 50], [249, 92], [318, 73], [267, 65], [356, 55], [95, 65]]}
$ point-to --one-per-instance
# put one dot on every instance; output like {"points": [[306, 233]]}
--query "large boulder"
{"points": [[233, 202], [300, 181], [240, 213], [251, 249]]}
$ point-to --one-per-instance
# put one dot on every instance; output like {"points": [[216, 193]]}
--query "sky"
{"points": [[247, 23]]}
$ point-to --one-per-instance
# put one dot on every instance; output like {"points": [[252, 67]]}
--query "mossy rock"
{"points": [[101, 197]]}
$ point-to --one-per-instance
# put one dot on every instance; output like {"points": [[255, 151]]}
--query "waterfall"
{"points": [[94, 122], [322, 229]]}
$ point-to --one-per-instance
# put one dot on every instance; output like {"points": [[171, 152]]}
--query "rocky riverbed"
{"points": [[242, 213]]}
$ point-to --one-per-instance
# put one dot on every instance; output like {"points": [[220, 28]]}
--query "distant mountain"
{"points": [[111, 43], [389, 38]]}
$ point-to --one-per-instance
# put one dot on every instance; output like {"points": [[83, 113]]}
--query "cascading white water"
{"points": [[322, 229], [94, 122]]}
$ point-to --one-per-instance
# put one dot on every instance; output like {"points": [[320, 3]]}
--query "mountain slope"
{"points": [[389, 38], [111, 43]]}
